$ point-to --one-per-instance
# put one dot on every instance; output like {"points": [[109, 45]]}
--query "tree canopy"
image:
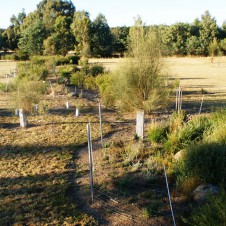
{"points": [[61, 29]]}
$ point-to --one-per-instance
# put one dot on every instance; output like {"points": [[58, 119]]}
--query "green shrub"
{"points": [[205, 161], [96, 69], [182, 134], [65, 74], [32, 71], [217, 134], [211, 213], [78, 79], [177, 120], [158, 133], [90, 82], [62, 60], [28, 93], [7, 87], [194, 130], [105, 87]]}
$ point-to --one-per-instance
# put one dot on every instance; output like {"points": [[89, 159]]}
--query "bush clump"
{"points": [[158, 133], [206, 162], [211, 213], [182, 133]]}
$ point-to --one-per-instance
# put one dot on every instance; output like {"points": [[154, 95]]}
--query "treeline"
{"points": [[55, 28]]}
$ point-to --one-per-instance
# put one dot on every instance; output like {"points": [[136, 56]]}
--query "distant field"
{"points": [[192, 72], [197, 76], [5, 68]]}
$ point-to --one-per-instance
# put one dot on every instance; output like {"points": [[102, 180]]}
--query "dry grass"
{"points": [[6, 67], [198, 73], [38, 166], [197, 76]]}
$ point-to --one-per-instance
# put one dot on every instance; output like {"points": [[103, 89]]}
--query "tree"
{"points": [[141, 83], [63, 36], [120, 38], [101, 38], [193, 45], [12, 33], [81, 28], [177, 36], [214, 48], [223, 45], [208, 31], [47, 29], [2, 39], [50, 10], [32, 38]]}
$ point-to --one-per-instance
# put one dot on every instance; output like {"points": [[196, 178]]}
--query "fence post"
{"points": [[181, 98], [200, 109], [167, 185], [90, 158], [101, 131], [140, 124]]}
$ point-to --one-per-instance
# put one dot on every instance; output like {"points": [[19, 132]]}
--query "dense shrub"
{"points": [[182, 134], [104, 85], [66, 73], [217, 130], [32, 71], [7, 87], [96, 69], [194, 129], [78, 79], [211, 213], [158, 133], [90, 82], [61, 60], [205, 161]]}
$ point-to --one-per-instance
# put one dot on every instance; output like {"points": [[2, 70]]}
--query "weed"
{"points": [[153, 209], [203, 91]]}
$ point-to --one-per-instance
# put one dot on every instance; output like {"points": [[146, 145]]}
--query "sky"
{"points": [[123, 12]]}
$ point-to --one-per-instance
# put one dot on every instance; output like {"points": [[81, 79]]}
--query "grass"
{"points": [[6, 67], [38, 166], [194, 75]]}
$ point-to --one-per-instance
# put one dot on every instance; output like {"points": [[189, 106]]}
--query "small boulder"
{"points": [[179, 155], [202, 191]]}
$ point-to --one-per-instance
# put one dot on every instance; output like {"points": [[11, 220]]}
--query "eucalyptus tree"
{"points": [[62, 39], [31, 41], [47, 29], [81, 28], [12, 33], [50, 10]]}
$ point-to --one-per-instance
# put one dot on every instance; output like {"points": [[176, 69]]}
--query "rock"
{"points": [[202, 191], [179, 155]]}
